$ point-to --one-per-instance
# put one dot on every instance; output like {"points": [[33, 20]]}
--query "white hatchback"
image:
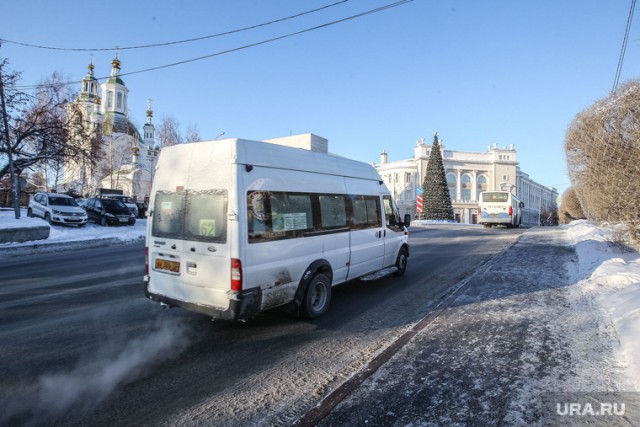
{"points": [[57, 208]]}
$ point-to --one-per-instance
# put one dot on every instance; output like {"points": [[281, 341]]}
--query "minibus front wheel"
{"points": [[401, 262], [317, 297]]}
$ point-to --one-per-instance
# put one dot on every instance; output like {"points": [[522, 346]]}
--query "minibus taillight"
{"points": [[146, 260], [510, 210], [236, 274]]}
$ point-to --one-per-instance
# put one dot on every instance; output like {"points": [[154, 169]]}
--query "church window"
{"points": [[119, 100], [109, 98]]}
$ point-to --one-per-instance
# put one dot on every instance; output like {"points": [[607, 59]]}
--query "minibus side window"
{"points": [[291, 213], [374, 217], [392, 213], [206, 216], [333, 211], [359, 212], [278, 215], [366, 212]]}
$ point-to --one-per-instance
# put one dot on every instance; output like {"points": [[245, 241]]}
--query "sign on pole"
{"points": [[419, 203]]}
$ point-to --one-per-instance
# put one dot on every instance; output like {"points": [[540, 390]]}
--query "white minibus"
{"points": [[237, 227], [499, 208]]}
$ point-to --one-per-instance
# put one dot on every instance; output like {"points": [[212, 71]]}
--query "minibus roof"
{"points": [[257, 153]]}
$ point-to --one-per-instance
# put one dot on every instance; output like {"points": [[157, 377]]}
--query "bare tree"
{"points": [[38, 128], [603, 157], [570, 207], [169, 132], [193, 134]]}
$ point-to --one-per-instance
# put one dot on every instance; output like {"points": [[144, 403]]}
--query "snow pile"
{"points": [[8, 221], [69, 233], [610, 272]]}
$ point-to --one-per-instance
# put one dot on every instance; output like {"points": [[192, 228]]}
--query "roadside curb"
{"points": [[44, 247]]}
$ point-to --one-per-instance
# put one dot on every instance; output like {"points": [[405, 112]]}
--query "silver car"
{"points": [[57, 208]]}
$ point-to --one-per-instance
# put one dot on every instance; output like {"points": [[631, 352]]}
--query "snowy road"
{"points": [[517, 336], [489, 337], [101, 354]]}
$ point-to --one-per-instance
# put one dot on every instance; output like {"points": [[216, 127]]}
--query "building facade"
{"points": [[127, 158], [468, 174]]}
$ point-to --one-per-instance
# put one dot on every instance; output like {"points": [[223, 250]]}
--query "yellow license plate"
{"points": [[172, 266]]}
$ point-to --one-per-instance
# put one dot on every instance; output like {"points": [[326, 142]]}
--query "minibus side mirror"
{"points": [[522, 204], [407, 220]]}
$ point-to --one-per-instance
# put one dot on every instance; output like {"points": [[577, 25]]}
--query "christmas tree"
{"points": [[436, 200]]}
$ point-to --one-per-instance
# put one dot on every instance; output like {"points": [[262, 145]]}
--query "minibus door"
{"points": [[394, 232], [206, 249], [367, 236]]}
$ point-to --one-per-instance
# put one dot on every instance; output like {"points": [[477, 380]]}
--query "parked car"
{"points": [[142, 210], [57, 208], [109, 212], [128, 201]]}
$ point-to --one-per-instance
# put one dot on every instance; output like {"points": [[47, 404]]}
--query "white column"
{"points": [[474, 185]]}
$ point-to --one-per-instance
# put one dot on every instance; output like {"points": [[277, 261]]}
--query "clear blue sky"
{"points": [[479, 73]]}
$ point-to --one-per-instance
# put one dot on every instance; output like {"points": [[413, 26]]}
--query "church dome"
{"points": [[118, 123]]}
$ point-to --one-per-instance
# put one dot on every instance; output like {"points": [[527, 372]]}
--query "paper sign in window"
{"points": [[166, 208], [295, 221]]}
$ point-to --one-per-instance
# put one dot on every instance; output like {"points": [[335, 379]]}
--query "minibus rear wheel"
{"points": [[317, 297]]}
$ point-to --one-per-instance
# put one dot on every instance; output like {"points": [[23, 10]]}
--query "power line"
{"points": [[226, 33], [624, 45], [236, 49]]}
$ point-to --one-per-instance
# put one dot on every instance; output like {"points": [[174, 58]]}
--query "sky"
{"points": [[478, 73]]}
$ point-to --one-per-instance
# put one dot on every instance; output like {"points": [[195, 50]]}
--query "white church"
{"points": [[128, 156]]}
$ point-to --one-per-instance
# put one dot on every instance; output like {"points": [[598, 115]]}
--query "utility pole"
{"points": [[5, 126]]}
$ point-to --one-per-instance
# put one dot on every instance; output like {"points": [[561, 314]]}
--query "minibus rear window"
{"points": [[206, 216], [168, 214], [191, 215]]}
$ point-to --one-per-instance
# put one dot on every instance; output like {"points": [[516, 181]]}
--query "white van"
{"points": [[237, 227], [499, 208]]}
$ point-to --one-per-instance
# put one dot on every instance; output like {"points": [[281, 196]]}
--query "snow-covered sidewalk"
{"points": [[63, 234], [552, 321]]}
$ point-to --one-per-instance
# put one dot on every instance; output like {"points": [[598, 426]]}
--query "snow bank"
{"points": [[610, 273], [65, 233]]}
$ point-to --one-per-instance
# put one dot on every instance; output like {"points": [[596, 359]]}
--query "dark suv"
{"points": [[109, 212]]}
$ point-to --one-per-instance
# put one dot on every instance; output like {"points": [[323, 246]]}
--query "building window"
{"points": [[451, 183], [119, 100], [407, 178], [109, 99], [466, 187], [482, 183]]}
